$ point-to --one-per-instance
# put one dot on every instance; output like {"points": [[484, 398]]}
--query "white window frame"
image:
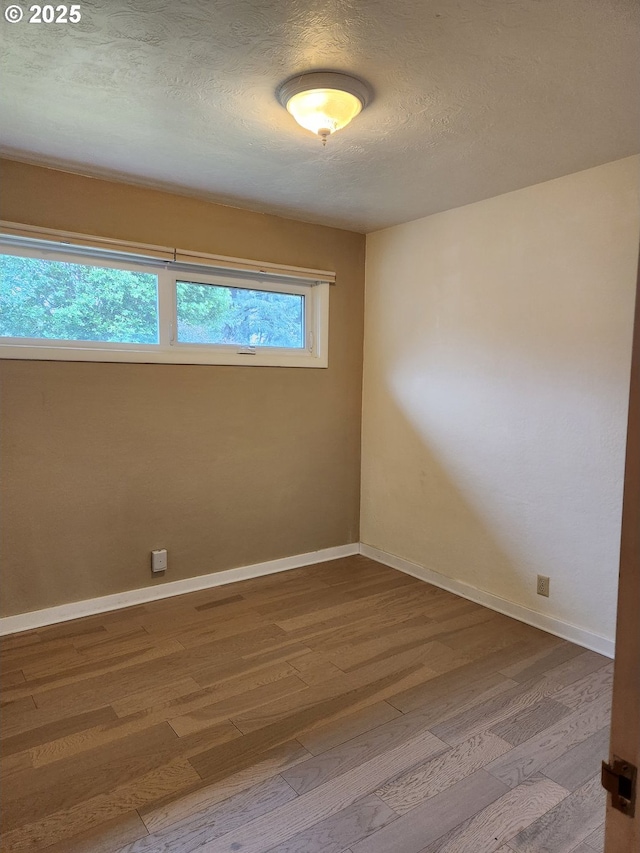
{"points": [[168, 350]]}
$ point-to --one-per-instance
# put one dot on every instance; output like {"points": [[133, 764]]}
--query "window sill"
{"points": [[160, 355]]}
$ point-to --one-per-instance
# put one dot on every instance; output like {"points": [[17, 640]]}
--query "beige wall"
{"points": [[224, 466], [497, 353]]}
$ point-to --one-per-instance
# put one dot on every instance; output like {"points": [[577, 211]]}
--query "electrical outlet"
{"points": [[543, 586], [159, 561]]}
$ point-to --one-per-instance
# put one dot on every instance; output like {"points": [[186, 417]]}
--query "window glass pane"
{"points": [[67, 301], [216, 314]]}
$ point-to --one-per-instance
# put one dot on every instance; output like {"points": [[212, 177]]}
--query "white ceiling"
{"points": [[473, 98]]}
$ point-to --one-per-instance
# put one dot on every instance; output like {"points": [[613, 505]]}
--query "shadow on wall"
{"points": [[470, 500], [413, 508]]}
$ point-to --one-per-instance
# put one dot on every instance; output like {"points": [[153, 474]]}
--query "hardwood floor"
{"points": [[339, 708]]}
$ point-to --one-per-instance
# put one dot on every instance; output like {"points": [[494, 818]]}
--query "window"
{"points": [[86, 305]]}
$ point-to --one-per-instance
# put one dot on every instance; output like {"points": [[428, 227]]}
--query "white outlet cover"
{"points": [[159, 560]]}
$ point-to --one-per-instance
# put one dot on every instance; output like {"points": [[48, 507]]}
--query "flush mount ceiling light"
{"points": [[323, 101]]}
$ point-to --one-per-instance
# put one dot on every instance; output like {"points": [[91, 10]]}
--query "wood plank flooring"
{"points": [[338, 708]]}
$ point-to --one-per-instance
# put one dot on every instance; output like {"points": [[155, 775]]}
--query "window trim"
{"points": [[168, 350]]}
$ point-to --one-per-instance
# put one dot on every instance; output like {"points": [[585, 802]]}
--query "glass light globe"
{"points": [[323, 111]]}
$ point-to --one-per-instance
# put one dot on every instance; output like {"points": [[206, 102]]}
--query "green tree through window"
{"points": [[65, 301], [215, 314], [61, 300]]}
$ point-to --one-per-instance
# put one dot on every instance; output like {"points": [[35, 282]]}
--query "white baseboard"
{"points": [[91, 606], [550, 624]]}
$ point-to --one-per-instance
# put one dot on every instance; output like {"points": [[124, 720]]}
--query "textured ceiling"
{"points": [[473, 98]]}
